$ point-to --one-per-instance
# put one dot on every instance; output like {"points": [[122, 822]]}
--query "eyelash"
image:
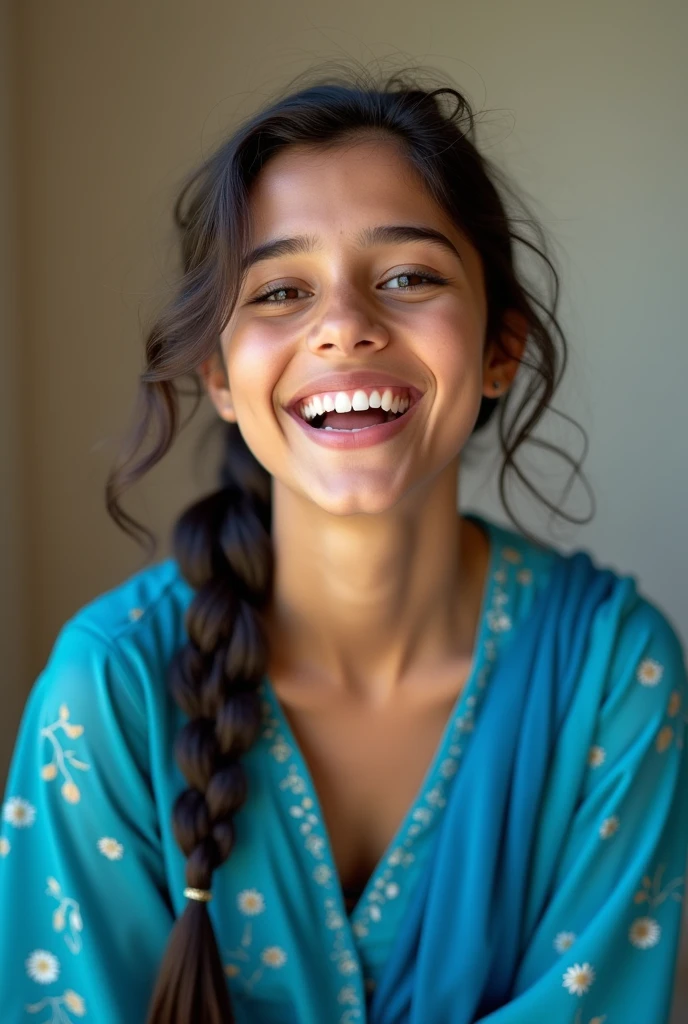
{"points": [[432, 278]]}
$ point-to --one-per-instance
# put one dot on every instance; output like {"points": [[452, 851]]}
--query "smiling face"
{"points": [[349, 307]]}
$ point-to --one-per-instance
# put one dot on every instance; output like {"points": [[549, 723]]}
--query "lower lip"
{"points": [[358, 438]]}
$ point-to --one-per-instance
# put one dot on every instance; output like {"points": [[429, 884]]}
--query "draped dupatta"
{"points": [[456, 958]]}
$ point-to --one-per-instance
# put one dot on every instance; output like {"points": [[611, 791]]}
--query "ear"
{"points": [[214, 376], [501, 363]]}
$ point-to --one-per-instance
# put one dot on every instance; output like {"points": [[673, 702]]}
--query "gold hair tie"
{"points": [[202, 895]]}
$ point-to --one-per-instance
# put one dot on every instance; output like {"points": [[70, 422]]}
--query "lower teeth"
{"points": [[354, 430]]}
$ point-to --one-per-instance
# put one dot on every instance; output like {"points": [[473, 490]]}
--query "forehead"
{"points": [[340, 189]]}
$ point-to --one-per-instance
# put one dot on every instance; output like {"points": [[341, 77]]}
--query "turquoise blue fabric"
{"points": [[538, 875]]}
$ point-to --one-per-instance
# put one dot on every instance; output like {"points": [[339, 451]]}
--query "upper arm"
{"points": [[606, 942], [82, 884]]}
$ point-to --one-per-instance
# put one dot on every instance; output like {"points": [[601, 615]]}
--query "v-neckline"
{"points": [[459, 708]]}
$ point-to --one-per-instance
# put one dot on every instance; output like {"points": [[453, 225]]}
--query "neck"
{"points": [[368, 605]]}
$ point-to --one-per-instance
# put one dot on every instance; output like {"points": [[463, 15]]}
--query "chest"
{"points": [[368, 766]]}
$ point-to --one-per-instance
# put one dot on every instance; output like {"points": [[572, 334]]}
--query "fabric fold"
{"points": [[456, 956]]}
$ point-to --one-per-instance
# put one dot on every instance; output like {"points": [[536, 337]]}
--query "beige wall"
{"points": [[14, 631], [114, 100]]}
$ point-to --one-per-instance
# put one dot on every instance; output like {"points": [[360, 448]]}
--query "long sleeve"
{"points": [[604, 950], [85, 909]]}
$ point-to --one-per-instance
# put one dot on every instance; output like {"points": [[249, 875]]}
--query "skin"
{"points": [[378, 581]]}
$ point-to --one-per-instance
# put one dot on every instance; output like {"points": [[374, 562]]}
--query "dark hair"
{"points": [[222, 543]]}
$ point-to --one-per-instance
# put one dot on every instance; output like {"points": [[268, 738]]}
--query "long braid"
{"points": [[223, 546]]}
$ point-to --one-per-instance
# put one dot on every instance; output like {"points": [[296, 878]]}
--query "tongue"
{"points": [[349, 420]]}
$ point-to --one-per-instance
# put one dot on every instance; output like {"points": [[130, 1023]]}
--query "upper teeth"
{"points": [[343, 401]]}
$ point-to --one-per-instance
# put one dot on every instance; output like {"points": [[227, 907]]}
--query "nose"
{"points": [[346, 326]]}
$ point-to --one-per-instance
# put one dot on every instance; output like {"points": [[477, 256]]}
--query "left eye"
{"points": [[406, 276]]}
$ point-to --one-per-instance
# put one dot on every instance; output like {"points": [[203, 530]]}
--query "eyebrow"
{"points": [[382, 234]]}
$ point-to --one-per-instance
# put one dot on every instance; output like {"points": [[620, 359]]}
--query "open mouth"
{"points": [[353, 420]]}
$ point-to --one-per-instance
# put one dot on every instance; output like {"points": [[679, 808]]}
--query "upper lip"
{"points": [[349, 382]]}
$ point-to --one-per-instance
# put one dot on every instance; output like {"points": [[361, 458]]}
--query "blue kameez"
{"points": [[538, 875]]}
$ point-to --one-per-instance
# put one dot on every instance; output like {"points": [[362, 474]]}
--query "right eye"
{"points": [[264, 297]]}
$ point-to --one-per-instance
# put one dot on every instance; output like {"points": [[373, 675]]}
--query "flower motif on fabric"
{"points": [[650, 672], [524, 577], [593, 1020], [499, 621], [609, 827], [70, 791], [251, 903], [668, 733], [5, 846], [596, 756], [67, 912], [69, 1000], [110, 848], [19, 812], [42, 966], [564, 941], [645, 932], [578, 979], [674, 705]]}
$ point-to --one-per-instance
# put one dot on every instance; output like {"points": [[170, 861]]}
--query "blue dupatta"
{"points": [[505, 825]]}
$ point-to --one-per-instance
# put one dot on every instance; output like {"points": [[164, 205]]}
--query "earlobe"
{"points": [[214, 377], [503, 360]]}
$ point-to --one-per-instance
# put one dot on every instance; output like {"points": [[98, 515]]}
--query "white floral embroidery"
{"points": [[563, 941], [274, 956], [19, 812], [69, 999], [644, 932], [500, 622], [322, 874], [525, 576], [42, 966], [110, 848], [250, 901], [578, 979], [314, 843], [60, 917], [609, 827], [135, 614], [650, 672], [347, 995], [5, 846], [280, 751], [70, 791]]}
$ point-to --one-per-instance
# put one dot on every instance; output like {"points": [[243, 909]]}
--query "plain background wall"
{"points": [[105, 106]]}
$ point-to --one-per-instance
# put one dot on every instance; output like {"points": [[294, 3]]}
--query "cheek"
{"points": [[255, 369]]}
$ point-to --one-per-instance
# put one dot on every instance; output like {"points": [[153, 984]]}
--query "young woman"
{"points": [[349, 756]]}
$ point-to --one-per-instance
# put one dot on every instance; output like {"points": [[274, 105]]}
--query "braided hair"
{"points": [[222, 543]]}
